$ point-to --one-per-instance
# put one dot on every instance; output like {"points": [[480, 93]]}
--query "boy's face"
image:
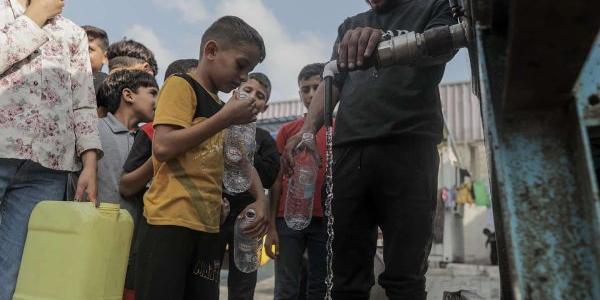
{"points": [[308, 87], [142, 102], [228, 68], [257, 91], [97, 56]]}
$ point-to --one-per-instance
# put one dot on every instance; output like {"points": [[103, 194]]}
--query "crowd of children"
{"points": [[71, 132]]}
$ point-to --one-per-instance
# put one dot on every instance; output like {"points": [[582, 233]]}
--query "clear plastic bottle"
{"points": [[239, 142], [301, 185], [247, 250]]}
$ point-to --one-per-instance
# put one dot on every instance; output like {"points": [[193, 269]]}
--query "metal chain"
{"points": [[328, 212]]}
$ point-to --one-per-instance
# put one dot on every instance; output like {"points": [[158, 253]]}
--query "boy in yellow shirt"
{"points": [[179, 250]]}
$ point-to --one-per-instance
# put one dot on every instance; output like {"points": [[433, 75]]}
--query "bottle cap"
{"points": [[250, 214], [308, 136]]}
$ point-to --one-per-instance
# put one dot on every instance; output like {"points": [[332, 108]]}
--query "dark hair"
{"points": [[311, 70], [111, 90], [127, 52], [95, 33], [263, 80], [180, 66], [231, 31]]}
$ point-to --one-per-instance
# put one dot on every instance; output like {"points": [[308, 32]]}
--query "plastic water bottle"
{"points": [[247, 250], [301, 186], [239, 145]]}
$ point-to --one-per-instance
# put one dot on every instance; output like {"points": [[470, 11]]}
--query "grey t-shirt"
{"points": [[116, 141], [399, 100]]}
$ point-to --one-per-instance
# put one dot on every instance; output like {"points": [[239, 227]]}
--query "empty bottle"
{"points": [[301, 185], [247, 250], [239, 144]]}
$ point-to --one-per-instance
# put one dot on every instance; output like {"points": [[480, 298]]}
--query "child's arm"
{"points": [[272, 239], [136, 180], [259, 227], [171, 141]]}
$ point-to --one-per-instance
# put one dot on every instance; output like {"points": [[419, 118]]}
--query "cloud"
{"points": [[147, 36], [286, 53], [192, 11]]}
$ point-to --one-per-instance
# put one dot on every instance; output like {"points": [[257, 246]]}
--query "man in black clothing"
{"points": [[266, 161], [388, 126]]}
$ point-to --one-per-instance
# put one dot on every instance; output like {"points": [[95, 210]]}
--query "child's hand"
{"points": [[225, 209], [238, 111], [259, 227], [40, 11], [271, 241]]}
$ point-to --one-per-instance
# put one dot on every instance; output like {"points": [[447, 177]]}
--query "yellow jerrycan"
{"points": [[75, 251]]}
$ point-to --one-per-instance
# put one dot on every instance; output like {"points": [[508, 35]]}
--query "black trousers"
{"points": [[392, 185], [177, 263], [240, 285]]}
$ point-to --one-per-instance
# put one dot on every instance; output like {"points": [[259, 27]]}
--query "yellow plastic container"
{"points": [[75, 251]]}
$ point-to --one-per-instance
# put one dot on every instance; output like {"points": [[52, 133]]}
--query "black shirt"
{"points": [[398, 101]]}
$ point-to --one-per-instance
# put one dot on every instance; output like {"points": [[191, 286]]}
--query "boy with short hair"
{"points": [[98, 44], [241, 285], [129, 54], [130, 97], [179, 253], [291, 244], [47, 120]]}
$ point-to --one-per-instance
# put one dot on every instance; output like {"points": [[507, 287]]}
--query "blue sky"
{"points": [[295, 32]]}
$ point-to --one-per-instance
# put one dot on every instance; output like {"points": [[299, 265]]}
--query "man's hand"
{"points": [[238, 111], [272, 240], [357, 45], [40, 11], [260, 225], [87, 185]]}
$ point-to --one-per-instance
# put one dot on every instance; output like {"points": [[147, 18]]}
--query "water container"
{"points": [[239, 142], [247, 250], [75, 251], [301, 185]]}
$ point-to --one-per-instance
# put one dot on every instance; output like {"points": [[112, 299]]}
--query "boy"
{"points": [[266, 161], [129, 54], [179, 253], [291, 244], [47, 119], [130, 96], [98, 44]]}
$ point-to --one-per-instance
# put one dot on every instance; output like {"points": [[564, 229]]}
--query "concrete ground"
{"points": [[483, 280]]}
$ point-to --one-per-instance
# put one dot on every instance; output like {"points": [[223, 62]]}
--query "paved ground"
{"points": [[484, 280]]}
